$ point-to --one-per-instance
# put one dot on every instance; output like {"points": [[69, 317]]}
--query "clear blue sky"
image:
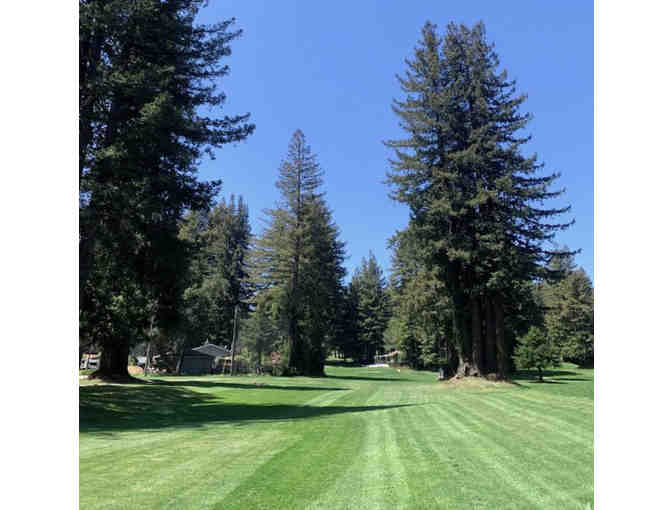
{"points": [[329, 68]]}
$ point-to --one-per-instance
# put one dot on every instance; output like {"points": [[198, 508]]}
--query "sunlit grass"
{"points": [[359, 438]]}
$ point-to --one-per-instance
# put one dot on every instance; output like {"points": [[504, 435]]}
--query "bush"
{"points": [[536, 350]]}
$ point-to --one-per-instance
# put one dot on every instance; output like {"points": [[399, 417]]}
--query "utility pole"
{"points": [[149, 344], [233, 341]]}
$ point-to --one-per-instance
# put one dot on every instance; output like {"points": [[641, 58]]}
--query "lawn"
{"points": [[359, 438]]}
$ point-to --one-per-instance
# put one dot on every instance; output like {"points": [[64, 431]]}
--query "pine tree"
{"points": [[473, 196], [320, 283], [146, 68], [258, 332], [370, 287], [300, 257], [344, 340], [227, 242]]}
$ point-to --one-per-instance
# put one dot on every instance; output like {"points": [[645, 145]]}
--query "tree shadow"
{"points": [[532, 375], [546, 381], [349, 364], [252, 386], [107, 410], [366, 378]]}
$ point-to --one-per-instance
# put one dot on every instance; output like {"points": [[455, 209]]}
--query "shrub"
{"points": [[536, 350]]}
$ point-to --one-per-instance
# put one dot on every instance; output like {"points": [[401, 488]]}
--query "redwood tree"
{"points": [[475, 200], [146, 69]]}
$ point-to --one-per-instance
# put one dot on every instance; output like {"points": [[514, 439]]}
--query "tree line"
{"points": [[161, 262]]}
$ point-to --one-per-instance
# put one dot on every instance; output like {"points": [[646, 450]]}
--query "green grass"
{"points": [[359, 438]]}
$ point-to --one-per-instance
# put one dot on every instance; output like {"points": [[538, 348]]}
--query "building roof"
{"points": [[213, 350]]}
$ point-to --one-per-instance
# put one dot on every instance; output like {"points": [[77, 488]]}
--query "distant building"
{"points": [[203, 360], [89, 360]]}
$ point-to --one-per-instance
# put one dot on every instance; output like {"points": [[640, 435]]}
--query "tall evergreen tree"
{"points": [[320, 284], [146, 68], [300, 254], [370, 287], [474, 198]]}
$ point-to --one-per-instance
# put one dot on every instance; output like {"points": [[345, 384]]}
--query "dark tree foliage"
{"points": [[421, 322], [371, 300], [146, 69], [259, 333], [475, 200], [299, 260], [218, 276], [344, 340]]}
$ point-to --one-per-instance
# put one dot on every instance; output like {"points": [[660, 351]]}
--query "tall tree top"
{"points": [[146, 69], [300, 173], [474, 197]]}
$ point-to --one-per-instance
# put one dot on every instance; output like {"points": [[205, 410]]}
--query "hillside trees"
{"points": [[146, 68], [299, 258], [475, 200]]}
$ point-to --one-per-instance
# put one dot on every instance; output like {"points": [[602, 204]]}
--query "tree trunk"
{"points": [[233, 341], [476, 337], [541, 373], [113, 362], [462, 335], [502, 362], [180, 360], [490, 337], [449, 363], [295, 362], [148, 353]]}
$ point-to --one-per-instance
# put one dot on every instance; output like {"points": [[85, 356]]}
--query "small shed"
{"points": [[201, 360]]}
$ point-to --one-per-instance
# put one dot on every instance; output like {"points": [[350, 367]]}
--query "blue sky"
{"points": [[329, 69]]}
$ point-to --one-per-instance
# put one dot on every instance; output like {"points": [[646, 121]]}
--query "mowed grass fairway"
{"points": [[359, 438]]}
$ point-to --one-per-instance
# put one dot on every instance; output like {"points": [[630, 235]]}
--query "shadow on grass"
{"points": [[107, 409], [366, 378], [350, 364], [546, 381], [533, 375], [224, 383]]}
